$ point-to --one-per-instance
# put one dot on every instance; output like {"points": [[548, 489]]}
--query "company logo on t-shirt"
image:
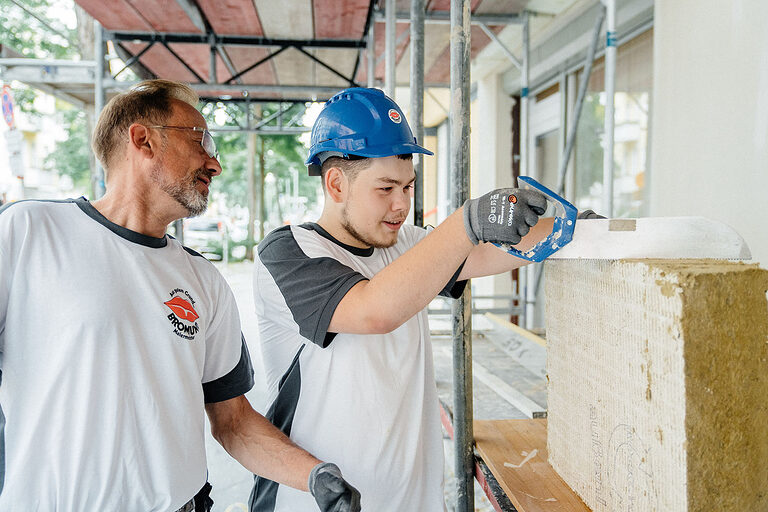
{"points": [[183, 316]]}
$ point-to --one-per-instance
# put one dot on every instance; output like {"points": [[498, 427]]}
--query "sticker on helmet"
{"points": [[394, 115]]}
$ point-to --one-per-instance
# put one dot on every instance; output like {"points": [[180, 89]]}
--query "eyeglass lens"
{"points": [[209, 145]]}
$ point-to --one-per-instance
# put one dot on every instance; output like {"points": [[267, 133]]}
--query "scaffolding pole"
{"points": [[389, 64], [97, 180], [212, 60], [371, 54], [610, 90], [530, 270], [417, 105], [462, 308]]}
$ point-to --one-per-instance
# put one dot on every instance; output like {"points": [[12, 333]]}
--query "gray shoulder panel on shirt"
{"points": [[311, 287]]}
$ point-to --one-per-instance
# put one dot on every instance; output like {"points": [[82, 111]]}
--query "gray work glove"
{"points": [[331, 492], [504, 215], [589, 214]]}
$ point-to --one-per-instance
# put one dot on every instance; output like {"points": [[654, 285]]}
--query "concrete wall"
{"points": [[709, 149]]}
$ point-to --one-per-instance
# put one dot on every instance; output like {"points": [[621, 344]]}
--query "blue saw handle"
{"points": [[562, 231]]}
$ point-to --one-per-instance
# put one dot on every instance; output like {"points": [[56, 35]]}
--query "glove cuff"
{"points": [[468, 221], [316, 470]]}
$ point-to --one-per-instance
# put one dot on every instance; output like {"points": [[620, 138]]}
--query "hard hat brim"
{"points": [[378, 152]]}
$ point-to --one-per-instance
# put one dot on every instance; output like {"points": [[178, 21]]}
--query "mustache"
{"points": [[204, 172]]}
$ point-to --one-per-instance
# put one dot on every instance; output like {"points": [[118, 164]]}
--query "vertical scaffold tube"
{"points": [[462, 308], [417, 104], [390, 31], [371, 53], [610, 91], [97, 180]]}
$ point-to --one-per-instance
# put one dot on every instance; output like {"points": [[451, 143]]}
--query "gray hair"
{"points": [[146, 102]]}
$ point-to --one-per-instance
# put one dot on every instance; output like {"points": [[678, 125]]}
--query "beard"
{"points": [[185, 191], [346, 223]]}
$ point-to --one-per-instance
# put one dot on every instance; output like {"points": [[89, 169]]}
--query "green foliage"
{"points": [[281, 154], [32, 38], [589, 152], [70, 157], [24, 99]]}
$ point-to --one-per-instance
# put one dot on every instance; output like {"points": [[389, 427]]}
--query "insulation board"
{"points": [[657, 383]]}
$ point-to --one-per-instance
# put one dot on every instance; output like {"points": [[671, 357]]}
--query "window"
{"points": [[632, 104]]}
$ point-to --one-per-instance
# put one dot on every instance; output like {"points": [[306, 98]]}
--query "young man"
{"points": [[114, 337], [341, 306]]}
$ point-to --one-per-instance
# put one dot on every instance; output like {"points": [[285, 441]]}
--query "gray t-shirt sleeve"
{"points": [[311, 287], [235, 383]]}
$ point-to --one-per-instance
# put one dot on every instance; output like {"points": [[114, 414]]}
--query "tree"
{"points": [[282, 153], [28, 31], [71, 156]]}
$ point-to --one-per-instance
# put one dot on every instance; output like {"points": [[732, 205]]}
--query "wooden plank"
{"points": [[516, 329], [516, 453]]}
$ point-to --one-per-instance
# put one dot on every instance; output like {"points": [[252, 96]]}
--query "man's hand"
{"points": [[503, 216], [332, 493], [589, 214]]}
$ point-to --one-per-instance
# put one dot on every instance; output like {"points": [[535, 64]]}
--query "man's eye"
{"points": [[408, 187], [386, 189]]}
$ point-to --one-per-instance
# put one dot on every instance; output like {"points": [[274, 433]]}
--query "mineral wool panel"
{"points": [[658, 383]]}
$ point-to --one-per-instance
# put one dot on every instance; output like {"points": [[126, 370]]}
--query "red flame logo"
{"points": [[394, 115]]}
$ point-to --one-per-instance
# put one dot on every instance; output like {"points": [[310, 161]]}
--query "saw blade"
{"points": [[654, 237]]}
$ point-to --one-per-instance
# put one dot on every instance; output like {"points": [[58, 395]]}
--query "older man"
{"points": [[114, 336]]}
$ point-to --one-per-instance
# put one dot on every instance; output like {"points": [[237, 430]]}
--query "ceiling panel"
{"points": [[116, 15], [164, 15], [337, 19], [243, 57], [342, 61], [162, 63], [286, 19], [402, 33], [436, 40], [198, 57], [301, 20], [232, 17], [292, 68]]}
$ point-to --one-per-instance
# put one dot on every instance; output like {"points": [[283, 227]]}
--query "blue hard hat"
{"points": [[361, 122]]}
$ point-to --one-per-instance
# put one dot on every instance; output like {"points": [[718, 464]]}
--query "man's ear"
{"points": [[336, 184], [138, 137]]}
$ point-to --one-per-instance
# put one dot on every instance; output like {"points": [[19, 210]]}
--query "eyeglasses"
{"points": [[209, 145]]}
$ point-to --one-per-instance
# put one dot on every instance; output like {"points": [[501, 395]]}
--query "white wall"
{"points": [[709, 152]]}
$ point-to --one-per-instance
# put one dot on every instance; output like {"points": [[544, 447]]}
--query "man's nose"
{"points": [[401, 201], [213, 165]]}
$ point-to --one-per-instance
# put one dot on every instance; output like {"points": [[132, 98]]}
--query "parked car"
{"points": [[206, 235]]}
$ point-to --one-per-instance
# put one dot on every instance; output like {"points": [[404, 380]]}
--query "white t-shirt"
{"points": [[367, 403], [110, 343]]}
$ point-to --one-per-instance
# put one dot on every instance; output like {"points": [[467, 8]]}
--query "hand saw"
{"points": [[654, 237], [651, 237]]}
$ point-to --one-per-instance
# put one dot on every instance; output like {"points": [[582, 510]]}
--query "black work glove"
{"points": [[504, 215], [589, 214], [331, 492]]}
